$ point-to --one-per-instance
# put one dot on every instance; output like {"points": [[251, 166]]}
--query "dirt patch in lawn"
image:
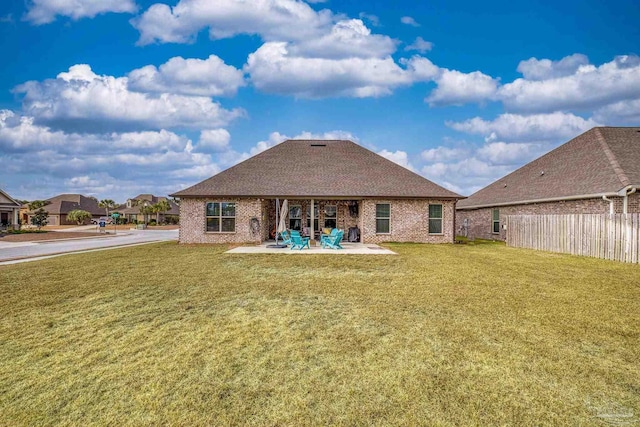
{"points": [[49, 235]]}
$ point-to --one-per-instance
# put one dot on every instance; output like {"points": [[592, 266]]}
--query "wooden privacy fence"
{"points": [[613, 237]]}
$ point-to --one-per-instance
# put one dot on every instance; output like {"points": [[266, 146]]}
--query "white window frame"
{"points": [[325, 215], [495, 221], [383, 218], [299, 218], [220, 217], [441, 219]]}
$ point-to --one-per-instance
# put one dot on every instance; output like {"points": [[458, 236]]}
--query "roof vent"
{"points": [[318, 145], [541, 173]]}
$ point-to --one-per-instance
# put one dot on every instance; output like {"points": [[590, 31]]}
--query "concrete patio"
{"points": [[349, 249]]}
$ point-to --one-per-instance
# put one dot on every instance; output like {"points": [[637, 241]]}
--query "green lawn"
{"points": [[438, 335]]}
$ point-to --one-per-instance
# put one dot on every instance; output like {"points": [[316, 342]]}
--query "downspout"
{"points": [[610, 204], [625, 201]]}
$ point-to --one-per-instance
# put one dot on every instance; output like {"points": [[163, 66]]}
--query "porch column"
{"points": [[312, 232], [16, 217]]}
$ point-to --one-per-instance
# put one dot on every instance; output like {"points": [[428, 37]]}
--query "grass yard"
{"points": [[438, 335]]}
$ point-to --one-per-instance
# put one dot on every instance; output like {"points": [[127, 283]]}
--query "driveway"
{"points": [[25, 251]]}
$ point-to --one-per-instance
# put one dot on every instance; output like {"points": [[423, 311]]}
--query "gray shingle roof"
{"points": [[317, 168], [601, 161], [65, 203]]}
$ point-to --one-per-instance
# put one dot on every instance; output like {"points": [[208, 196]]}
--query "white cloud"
{"points": [[214, 139], [400, 157], [421, 45], [270, 19], [273, 69], [45, 11], [534, 127], [502, 153], [347, 39], [457, 88], [619, 113], [82, 100], [407, 20], [371, 19], [442, 154], [544, 69], [588, 87], [202, 77]]}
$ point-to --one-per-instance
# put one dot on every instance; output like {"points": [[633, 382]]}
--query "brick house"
{"points": [[59, 206], [9, 209], [327, 184], [596, 172], [131, 209]]}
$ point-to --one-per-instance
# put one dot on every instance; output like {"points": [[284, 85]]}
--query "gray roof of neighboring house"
{"points": [[65, 203], [317, 169], [603, 160]]}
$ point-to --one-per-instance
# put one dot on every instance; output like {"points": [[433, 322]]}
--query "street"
{"points": [[24, 251]]}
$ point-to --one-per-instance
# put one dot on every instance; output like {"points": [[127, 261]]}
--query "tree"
{"points": [[40, 217], [161, 207], [79, 216], [107, 204], [146, 210]]}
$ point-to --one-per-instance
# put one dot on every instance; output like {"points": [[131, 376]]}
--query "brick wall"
{"points": [[480, 220], [409, 221], [193, 222]]}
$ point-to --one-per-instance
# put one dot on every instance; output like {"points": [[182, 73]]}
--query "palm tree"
{"points": [[145, 210], [161, 207], [107, 204]]}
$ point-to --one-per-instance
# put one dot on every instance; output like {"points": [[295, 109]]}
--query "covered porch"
{"points": [[313, 216]]}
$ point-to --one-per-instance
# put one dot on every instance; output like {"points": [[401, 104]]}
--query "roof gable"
{"points": [[7, 200], [599, 161], [317, 168], [65, 203]]}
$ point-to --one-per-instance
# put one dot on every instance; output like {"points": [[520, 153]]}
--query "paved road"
{"points": [[9, 250]]}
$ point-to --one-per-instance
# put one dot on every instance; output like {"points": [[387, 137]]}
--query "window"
{"points": [[435, 219], [495, 221], [316, 214], [295, 217], [383, 218], [221, 217], [331, 216]]}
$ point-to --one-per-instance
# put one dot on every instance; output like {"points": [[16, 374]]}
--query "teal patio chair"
{"points": [[286, 237], [333, 242], [298, 242], [328, 236]]}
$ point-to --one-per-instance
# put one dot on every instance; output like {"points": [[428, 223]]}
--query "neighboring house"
{"points": [[596, 172], [9, 211], [131, 209], [59, 206], [327, 184]]}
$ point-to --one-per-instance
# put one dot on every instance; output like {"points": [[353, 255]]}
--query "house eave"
{"points": [[306, 196], [545, 200]]}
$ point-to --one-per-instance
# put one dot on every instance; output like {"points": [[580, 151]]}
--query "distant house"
{"points": [[326, 184], [59, 206], [131, 209], [9, 210], [596, 172]]}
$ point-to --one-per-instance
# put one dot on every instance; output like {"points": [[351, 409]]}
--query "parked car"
{"points": [[105, 219]]}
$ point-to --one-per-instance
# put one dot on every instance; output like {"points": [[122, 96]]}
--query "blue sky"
{"points": [[114, 98]]}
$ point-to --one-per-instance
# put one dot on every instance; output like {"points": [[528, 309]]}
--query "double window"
{"points": [[495, 221], [435, 219], [295, 217], [383, 218], [221, 217], [331, 216]]}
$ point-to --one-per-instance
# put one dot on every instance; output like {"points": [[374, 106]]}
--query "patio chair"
{"points": [[297, 241], [286, 237], [333, 242], [331, 235]]}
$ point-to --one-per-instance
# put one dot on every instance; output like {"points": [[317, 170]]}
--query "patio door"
{"points": [[331, 216]]}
